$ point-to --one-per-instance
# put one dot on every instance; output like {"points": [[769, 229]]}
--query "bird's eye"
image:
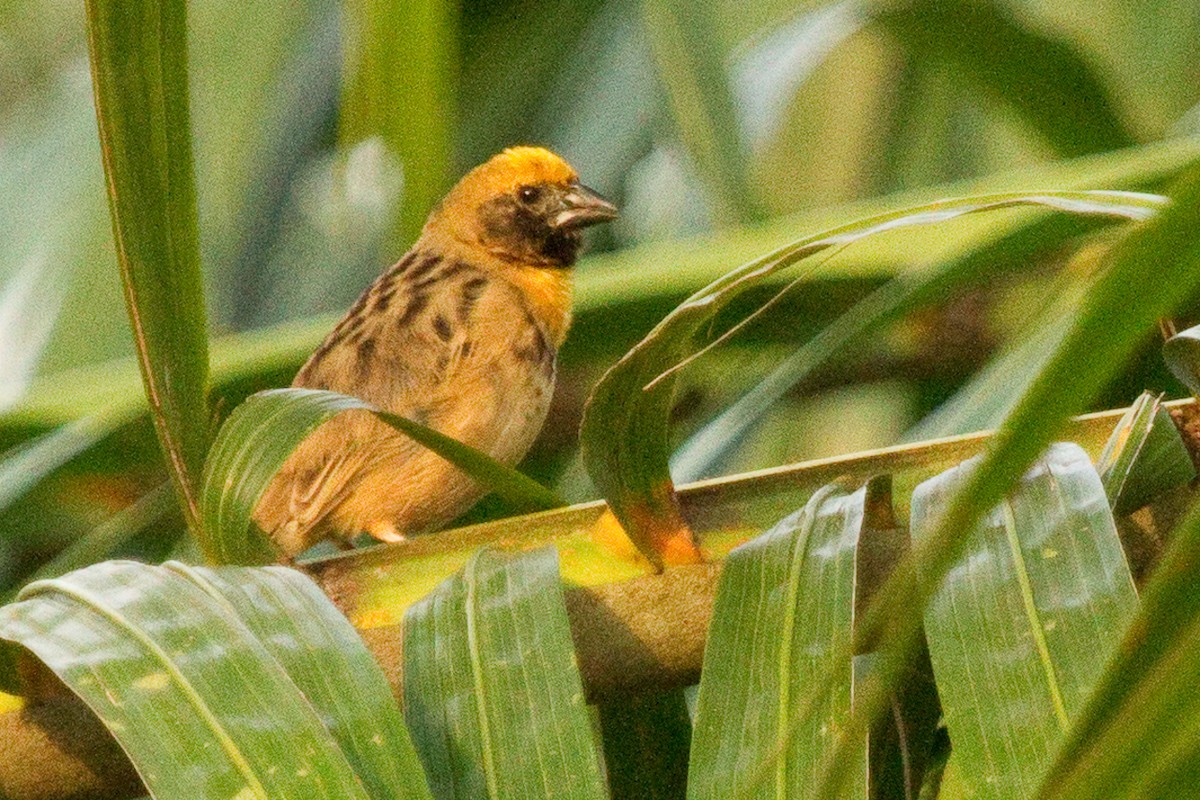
{"points": [[529, 194]]}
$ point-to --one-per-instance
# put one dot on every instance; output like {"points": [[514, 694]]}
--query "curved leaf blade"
{"points": [[624, 433], [1022, 626], [261, 433], [328, 662], [153, 655], [707, 447], [139, 71], [491, 690]]}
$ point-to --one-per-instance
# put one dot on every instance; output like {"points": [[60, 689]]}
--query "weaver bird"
{"points": [[460, 335]]}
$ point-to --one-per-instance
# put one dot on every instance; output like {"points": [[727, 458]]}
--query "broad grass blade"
{"points": [[491, 691], [1137, 737], [1021, 627], [139, 72], [1008, 253], [262, 432], [327, 660], [197, 702], [1161, 258], [783, 615]]}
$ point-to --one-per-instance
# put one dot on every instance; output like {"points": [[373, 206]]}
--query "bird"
{"points": [[460, 335]]}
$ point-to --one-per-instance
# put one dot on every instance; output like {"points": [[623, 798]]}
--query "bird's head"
{"points": [[524, 205]]}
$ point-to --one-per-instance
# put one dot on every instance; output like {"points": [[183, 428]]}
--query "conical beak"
{"points": [[582, 207]]}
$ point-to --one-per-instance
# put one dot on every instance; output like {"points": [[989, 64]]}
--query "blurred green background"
{"points": [[324, 131]]}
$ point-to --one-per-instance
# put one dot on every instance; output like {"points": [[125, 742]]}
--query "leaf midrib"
{"points": [[1033, 617], [97, 604], [783, 716], [471, 581]]}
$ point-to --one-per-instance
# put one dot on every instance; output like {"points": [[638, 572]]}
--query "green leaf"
{"points": [[783, 615], [193, 697], [1042, 77], [692, 70], [1137, 736], [329, 663], [1144, 457], [1020, 629], [491, 690], [1182, 354], [624, 434], [261, 433], [398, 86], [981, 405], [139, 72]]}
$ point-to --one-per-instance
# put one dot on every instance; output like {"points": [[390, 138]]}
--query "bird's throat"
{"points": [[549, 293]]}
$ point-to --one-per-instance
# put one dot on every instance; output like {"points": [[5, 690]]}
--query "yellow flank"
{"points": [[461, 335]]}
